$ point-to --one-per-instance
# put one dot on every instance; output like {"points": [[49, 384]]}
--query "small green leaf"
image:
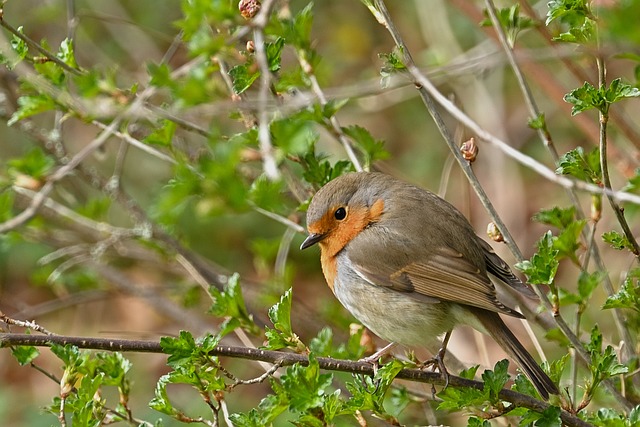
{"points": [[511, 20], [477, 422], [267, 194], [628, 296], [588, 282], [557, 217], [469, 373], [523, 385], [373, 149], [30, 105], [618, 90], [543, 265], [241, 78], [538, 122], [494, 381], [617, 240], [392, 64], [179, 349], [20, 49], [580, 165], [163, 134], [568, 241], [305, 386], [274, 53], [585, 98], [35, 164], [230, 304], [66, 53], [571, 11], [282, 335], [25, 354], [550, 417], [299, 30]]}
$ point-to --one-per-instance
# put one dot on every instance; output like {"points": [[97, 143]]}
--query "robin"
{"points": [[409, 266]]}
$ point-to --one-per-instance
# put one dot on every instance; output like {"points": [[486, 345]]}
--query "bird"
{"points": [[409, 266]]}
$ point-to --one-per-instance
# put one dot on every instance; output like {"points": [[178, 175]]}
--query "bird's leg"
{"points": [[438, 360], [373, 359]]}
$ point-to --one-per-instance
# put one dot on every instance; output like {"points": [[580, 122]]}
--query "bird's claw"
{"points": [[437, 362]]}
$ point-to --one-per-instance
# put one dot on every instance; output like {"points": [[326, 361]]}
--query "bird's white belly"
{"points": [[393, 315]]}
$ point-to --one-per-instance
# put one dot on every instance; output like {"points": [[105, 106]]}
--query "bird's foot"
{"points": [[375, 357], [437, 362]]}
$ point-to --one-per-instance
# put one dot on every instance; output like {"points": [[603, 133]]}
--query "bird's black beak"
{"points": [[311, 240]]}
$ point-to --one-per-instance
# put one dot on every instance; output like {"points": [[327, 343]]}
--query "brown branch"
{"points": [[283, 359]]}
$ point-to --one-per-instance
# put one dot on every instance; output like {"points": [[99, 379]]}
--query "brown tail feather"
{"points": [[510, 344]]}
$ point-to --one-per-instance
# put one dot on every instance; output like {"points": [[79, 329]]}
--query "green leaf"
{"points": [[241, 78], [455, 399], [556, 217], [274, 54], [522, 385], [588, 282], [299, 29], [392, 64], [25, 354], [319, 171], [585, 98], [580, 165], [618, 90], [511, 20], [633, 185], [294, 135], [568, 241], [477, 422], [494, 381], [469, 373], [282, 335], [538, 122], [179, 349], [373, 149], [30, 105], [617, 240], [628, 296], [6, 208], [19, 48], [230, 304], [267, 194], [163, 134], [543, 265], [570, 11], [66, 53], [604, 364], [550, 417], [35, 164], [305, 386]]}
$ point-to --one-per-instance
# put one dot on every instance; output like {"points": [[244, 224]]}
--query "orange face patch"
{"points": [[341, 232]]}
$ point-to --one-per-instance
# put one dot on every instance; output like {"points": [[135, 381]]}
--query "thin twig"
{"points": [[44, 52], [270, 165], [606, 181]]}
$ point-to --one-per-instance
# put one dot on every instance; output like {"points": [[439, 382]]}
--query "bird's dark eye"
{"points": [[340, 214]]}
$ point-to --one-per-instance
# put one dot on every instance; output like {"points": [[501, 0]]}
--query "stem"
{"points": [[604, 119]]}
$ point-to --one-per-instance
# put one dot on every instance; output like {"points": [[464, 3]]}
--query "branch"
{"points": [[283, 359]]}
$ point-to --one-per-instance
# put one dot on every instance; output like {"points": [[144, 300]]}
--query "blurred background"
{"points": [[75, 282]]}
